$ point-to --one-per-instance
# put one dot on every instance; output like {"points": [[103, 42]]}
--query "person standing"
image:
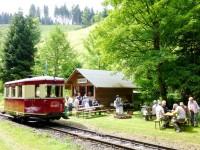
{"points": [[70, 105], [80, 98], [118, 105], [76, 104], [194, 109]]}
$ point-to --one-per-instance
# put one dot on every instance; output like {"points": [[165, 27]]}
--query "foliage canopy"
{"points": [[150, 40]]}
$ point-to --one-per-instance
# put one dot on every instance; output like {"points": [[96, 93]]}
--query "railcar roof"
{"points": [[38, 78]]}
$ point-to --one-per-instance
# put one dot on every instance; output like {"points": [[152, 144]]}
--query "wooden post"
{"points": [[94, 92]]}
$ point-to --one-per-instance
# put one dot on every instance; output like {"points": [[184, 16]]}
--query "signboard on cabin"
{"points": [[82, 80]]}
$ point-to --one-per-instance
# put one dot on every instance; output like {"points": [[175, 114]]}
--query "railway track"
{"points": [[106, 139], [110, 140]]}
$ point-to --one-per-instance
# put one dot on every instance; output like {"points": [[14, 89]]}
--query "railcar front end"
{"points": [[38, 97]]}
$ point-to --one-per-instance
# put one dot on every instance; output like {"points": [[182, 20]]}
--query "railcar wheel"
{"points": [[23, 120]]}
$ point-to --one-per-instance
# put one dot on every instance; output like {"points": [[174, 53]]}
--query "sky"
{"points": [[13, 6]]}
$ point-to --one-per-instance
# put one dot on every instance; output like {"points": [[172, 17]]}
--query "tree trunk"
{"points": [[156, 42], [161, 82]]}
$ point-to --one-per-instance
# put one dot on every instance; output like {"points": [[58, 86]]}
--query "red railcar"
{"points": [[40, 97]]}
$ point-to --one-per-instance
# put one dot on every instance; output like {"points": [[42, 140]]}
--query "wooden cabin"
{"points": [[100, 84]]}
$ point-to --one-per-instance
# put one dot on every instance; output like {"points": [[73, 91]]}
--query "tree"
{"points": [[46, 19], [33, 11], [57, 54], [20, 48], [38, 12], [138, 37], [184, 75], [46, 11], [5, 18], [86, 17], [76, 15], [62, 14]]}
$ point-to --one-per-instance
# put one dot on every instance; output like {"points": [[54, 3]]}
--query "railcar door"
{"points": [[55, 102]]}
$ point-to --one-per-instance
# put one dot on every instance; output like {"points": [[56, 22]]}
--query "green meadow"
{"points": [[15, 137], [137, 127]]}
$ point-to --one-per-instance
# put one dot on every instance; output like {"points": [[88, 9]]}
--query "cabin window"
{"points": [[7, 92], [90, 90], [37, 91], [54, 91], [13, 91], [19, 91]]}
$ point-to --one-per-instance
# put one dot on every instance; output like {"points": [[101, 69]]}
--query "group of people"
{"points": [[80, 102], [178, 114]]}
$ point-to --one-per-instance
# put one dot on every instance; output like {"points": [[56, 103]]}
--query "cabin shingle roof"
{"points": [[105, 79]]}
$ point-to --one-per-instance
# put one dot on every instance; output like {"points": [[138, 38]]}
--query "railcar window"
{"points": [[54, 91], [7, 92], [48, 91], [13, 91], [37, 91], [19, 91], [59, 91]]}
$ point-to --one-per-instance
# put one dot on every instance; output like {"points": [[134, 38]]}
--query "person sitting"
{"points": [[166, 119], [185, 108], [95, 102], [160, 115], [179, 118], [90, 102], [154, 107], [164, 105], [85, 102]]}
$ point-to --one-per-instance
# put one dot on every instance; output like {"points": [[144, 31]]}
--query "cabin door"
{"points": [[82, 90]]}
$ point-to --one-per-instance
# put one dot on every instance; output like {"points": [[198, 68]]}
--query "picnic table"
{"points": [[169, 114], [89, 111]]}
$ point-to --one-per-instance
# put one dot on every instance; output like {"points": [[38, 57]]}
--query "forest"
{"points": [[62, 15], [156, 43]]}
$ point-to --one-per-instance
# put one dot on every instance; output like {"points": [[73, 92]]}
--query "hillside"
{"points": [[76, 35], [77, 38]]}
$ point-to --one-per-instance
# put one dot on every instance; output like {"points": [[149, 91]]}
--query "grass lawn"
{"points": [[13, 137], [46, 29], [139, 127]]}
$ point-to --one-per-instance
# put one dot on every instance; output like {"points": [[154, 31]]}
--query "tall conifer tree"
{"points": [[20, 48]]}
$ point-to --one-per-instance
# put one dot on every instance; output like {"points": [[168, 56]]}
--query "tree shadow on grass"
{"points": [[79, 125], [189, 129]]}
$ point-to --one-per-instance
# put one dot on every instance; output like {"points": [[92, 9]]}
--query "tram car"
{"points": [[37, 97]]}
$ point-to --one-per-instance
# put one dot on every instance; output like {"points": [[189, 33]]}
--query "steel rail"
{"points": [[135, 144], [64, 129]]}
